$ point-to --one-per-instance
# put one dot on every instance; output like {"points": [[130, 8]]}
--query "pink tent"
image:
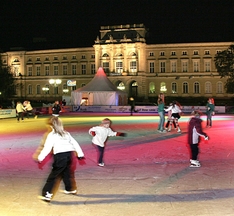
{"points": [[99, 91]]}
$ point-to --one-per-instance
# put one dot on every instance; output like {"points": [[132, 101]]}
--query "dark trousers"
{"points": [[194, 151], [30, 112], [168, 122], [100, 153], [20, 116], [61, 170]]}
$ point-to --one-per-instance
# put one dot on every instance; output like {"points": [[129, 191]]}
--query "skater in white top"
{"points": [[100, 134], [64, 148], [175, 109]]}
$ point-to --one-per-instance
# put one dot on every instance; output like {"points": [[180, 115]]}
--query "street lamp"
{"points": [[55, 83], [45, 90]]}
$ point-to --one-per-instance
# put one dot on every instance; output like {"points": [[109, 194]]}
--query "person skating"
{"points": [[56, 109], [210, 108], [20, 111], [29, 110], [175, 115], [64, 147], [194, 133], [100, 134], [161, 114]]}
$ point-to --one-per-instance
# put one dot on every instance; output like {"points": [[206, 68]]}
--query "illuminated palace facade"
{"points": [[140, 69]]}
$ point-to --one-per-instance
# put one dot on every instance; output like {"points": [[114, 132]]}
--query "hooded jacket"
{"points": [[195, 131]]}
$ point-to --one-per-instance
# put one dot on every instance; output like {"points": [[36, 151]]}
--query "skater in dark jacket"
{"points": [[194, 133], [56, 109]]}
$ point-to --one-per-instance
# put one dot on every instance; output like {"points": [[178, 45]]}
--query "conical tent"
{"points": [[99, 91]]}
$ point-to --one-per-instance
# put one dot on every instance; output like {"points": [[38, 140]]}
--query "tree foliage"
{"points": [[224, 63], [7, 86]]}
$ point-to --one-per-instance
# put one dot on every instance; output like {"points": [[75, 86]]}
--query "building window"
{"points": [[119, 67], [64, 69], [55, 58], [47, 59], [162, 53], [196, 88], [207, 52], [151, 66], [47, 70], [219, 88], [93, 69], [83, 57], [184, 53], [55, 70], [208, 88], [73, 57], [162, 67], [207, 66], [184, 66], [64, 57], [133, 66], [92, 56], [173, 53], [196, 66], [38, 59], [195, 52], [38, 70], [30, 89], [174, 87], [73, 69], [38, 89], [83, 69], [151, 88], [105, 66], [30, 71], [151, 54], [163, 87], [173, 66], [185, 88]]}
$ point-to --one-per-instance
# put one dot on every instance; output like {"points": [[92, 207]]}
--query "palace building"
{"points": [[140, 69]]}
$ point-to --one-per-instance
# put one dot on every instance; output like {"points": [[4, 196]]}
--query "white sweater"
{"points": [[175, 109], [60, 144], [101, 135]]}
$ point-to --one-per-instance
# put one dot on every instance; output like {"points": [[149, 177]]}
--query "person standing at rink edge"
{"points": [[194, 133], [64, 147]]}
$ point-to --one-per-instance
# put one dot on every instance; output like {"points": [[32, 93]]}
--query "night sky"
{"points": [[76, 23]]}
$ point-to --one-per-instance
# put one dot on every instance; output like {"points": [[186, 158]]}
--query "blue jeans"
{"points": [[161, 120]]}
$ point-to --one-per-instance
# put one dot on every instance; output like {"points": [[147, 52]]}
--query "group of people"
{"points": [[195, 130], [24, 109], [174, 112], [64, 148]]}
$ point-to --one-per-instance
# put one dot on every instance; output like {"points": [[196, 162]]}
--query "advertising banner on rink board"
{"points": [[7, 113], [140, 109]]}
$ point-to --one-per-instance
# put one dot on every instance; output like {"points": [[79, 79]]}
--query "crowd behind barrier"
{"points": [[47, 109]]}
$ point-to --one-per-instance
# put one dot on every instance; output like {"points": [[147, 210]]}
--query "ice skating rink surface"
{"points": [[146, 173]]}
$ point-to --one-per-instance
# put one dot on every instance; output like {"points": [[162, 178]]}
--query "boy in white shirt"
{"points": [[100, 134]]}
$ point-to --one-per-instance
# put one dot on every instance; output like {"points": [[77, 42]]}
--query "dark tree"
{"points": [[7, 86], [224, 63]]}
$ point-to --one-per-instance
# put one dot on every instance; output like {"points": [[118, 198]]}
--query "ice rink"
{"points": [[145, 174]]}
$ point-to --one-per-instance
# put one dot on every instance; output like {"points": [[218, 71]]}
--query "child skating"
{"points": [[64, 147], [194, 133], [100, 134]]}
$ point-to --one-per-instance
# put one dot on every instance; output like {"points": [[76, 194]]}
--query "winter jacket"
{"points": [[195, 131], [101, 134], [60, 144]]}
